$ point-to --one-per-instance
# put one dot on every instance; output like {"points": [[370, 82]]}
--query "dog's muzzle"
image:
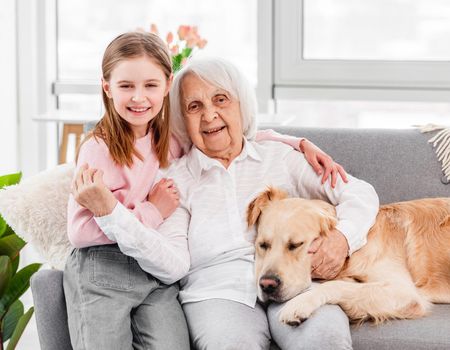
{"points": [[269, 284]]}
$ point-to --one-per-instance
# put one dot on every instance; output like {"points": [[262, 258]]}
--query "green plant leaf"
{"points": [[10, 179], [11, 245], [18, 331], [6, 230], [186, 52], [176, 62], [2, 226], [5, 273], [18, 285], [11, 319], [15, 264]]}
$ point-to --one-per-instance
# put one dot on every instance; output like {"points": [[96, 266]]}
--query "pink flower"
{"points": [[183, 61], [183, 31], [202, 43], [154, 29], [191, 43], [169, 38], [192, 35], [174, 50]]}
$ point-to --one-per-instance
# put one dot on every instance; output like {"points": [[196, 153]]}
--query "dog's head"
{"points": [[286, 227]]}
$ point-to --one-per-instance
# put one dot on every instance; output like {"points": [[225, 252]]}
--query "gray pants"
{"points": [[113, 304], [223, 324]]}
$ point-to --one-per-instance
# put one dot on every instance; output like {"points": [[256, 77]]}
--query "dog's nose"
{"points": [[269, 283]]}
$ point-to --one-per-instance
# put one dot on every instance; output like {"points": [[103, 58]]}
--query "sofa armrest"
{"points": [[50, 310]]}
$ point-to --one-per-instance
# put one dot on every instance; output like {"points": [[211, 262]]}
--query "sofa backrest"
{"points": [[400, 164]]}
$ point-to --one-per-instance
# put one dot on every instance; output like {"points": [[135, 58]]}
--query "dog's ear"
{"points": [[327, 215], [256, 207]]}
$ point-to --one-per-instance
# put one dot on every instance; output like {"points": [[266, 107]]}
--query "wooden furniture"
{"points": [[72, 122], [68, 129]]}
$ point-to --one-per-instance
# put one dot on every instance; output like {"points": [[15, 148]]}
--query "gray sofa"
{"points": [[400, 164]]}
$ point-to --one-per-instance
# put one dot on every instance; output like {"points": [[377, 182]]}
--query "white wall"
{"points": [[8, 90]]}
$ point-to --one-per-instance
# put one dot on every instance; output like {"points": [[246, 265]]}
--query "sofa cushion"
{"points": [[431, 332]]}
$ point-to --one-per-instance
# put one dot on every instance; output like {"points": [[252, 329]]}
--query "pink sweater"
{"points": [[130, 186]]}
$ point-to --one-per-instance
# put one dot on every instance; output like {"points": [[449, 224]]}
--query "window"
{"points": [[395, 30], [337, 45], [86, 27], [357, 63]]}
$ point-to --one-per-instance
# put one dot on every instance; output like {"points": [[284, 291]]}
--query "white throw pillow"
{"points": [[36, 209]]}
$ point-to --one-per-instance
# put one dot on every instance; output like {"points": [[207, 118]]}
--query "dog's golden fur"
{"points": [[403, 268]]}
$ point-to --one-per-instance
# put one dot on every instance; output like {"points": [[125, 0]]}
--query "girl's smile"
{"points": [[138, 110]]}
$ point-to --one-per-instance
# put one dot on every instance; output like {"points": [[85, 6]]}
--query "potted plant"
{"points": [[13, 282]]}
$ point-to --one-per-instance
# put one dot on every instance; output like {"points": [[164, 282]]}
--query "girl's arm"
{"points": [[321, 162], [82, 229], [175, 149]]}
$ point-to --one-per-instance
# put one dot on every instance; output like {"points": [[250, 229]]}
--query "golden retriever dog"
{"points": [[403, 268]]}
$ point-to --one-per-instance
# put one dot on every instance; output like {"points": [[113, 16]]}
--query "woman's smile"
{"points": [[214, 131]]}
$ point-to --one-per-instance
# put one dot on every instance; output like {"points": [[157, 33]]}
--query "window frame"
{"points": [[35, 35], [287, 75]]}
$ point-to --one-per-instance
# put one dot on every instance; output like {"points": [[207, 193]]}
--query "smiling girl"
{"points": [[112, 303]]}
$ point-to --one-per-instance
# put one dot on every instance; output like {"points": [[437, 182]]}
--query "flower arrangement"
{"points": [[181, 48]]}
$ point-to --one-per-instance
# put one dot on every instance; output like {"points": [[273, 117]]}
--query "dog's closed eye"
{"points": [[293, 246], [264, 245]]}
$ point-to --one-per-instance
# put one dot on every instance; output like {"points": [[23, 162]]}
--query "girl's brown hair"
{"points": [[115, 131]]}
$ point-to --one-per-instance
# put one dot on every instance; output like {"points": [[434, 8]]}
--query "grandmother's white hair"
{"points": [[220, 73]]}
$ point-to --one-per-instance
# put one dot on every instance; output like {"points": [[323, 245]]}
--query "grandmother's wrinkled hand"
{"points": [[322, 163], [328, 255], [89, 190]]}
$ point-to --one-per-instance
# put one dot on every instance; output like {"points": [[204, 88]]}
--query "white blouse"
{"points": [[206, 241]]}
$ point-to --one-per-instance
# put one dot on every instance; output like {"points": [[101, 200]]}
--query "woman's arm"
{"points": [[321, 162], [356, 201], [83, 231], [356, 207], [163, 253]]}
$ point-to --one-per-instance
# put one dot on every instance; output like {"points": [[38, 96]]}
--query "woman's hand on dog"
{"points": [[89, 190], [328, 255]]}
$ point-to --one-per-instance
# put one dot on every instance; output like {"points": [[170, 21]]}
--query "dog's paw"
{"points": [[297, 309], [289, 316]]}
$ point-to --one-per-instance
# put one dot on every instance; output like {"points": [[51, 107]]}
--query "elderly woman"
{"points": [[206, 241]]}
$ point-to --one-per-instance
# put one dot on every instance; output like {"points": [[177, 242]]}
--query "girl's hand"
{"points": [[90, 191], [322, 162], [165, 197]]}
